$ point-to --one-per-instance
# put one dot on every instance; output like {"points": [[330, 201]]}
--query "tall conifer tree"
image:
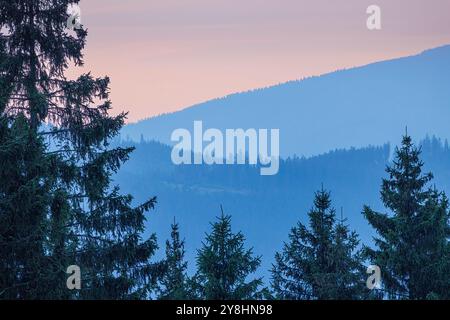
{"points": [[320, 262], [173, 284], [413, 243], [71, 212], [224, 266]]}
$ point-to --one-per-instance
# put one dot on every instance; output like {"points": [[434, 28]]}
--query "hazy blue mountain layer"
{"points": [[263, 207], [367, 105]]}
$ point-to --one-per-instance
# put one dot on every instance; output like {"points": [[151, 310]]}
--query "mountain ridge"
{"points": [[283, 83], [321, 113]]}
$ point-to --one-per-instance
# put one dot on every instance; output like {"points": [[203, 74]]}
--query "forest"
{"points": [[61, 205]]}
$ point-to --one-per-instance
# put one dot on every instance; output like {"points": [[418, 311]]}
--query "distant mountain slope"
{"points": [[362, 106]]}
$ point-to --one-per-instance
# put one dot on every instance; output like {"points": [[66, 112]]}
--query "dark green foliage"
{"points": [[224, 266], [412, 247], [174, 282], [319, 262], [25, 182], [58, 207]]}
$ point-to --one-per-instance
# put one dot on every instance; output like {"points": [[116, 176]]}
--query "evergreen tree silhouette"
{"points": [[412, 247], [174, 282], [68, 207], [320, 262], [224, 266]]}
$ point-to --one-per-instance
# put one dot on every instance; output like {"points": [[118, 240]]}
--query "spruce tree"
{"points": [[173, 284], [319, 262], [412, 247], [67, 205], [224, 266]]}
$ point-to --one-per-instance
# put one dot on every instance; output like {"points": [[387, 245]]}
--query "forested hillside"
{"points": [[264, 207]]}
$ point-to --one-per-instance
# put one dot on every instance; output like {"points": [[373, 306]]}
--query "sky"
{"points": [[166, 55]]}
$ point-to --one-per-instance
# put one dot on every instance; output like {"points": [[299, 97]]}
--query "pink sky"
{"points": [[165, 55]]}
